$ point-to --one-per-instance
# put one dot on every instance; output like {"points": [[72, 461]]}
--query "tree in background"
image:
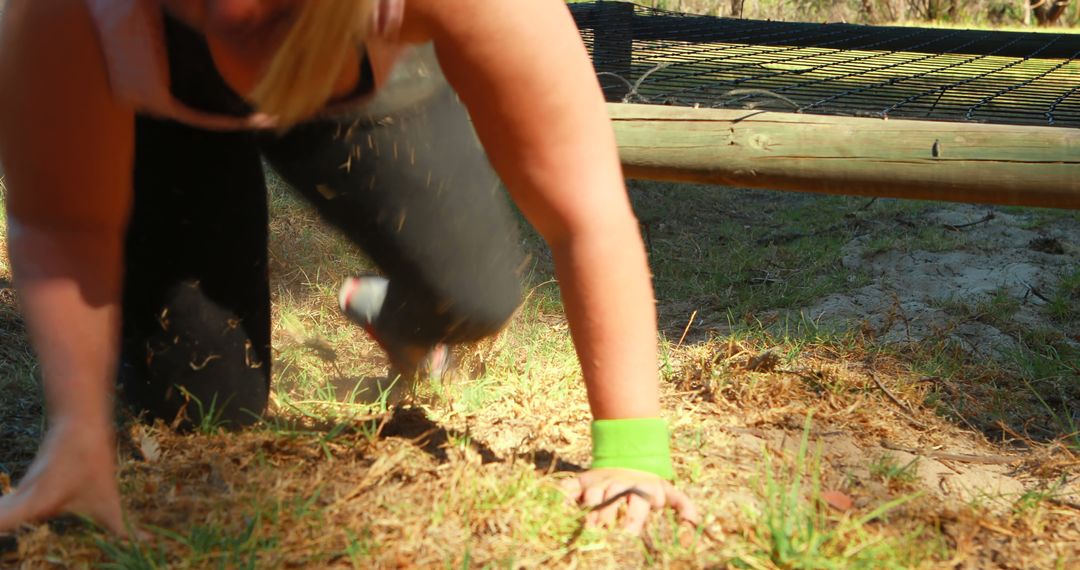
{"points": [[966, 12], [1047, 12]]}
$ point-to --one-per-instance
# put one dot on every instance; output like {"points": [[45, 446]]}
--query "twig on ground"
{"points": [[1030, 443], [868, 204], [529, 295], [766, 279], [790, 237], [958, 457], [989, 216], [1064, 503], [709, 535], [764, 361], [1032, 290], [687, 329], [347, 405], [650, 546], [910, 414], [959, 416], [756, 432], [816, 378]]}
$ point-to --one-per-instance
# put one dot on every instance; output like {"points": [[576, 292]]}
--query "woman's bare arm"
{"points": [[66, 146], [524, 75]]}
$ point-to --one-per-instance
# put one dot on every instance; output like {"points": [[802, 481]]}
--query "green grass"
{"points": [[1039, 218], [909, 233], [892, 472], [130, 556], [1033, 388], [1064, 305], [796, 530], [700, 252], [996, 309]]}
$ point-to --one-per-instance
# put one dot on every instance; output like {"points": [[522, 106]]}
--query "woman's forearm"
{"points": [[69, 290], [534, 98], [603, 275]]}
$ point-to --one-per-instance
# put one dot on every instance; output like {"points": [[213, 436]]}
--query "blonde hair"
{"points": [[301, 77]]}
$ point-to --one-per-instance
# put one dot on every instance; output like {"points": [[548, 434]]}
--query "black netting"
{"points": [[647, 55]]}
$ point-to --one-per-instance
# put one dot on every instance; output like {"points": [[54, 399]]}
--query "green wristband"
{"points": [[637, 443]]}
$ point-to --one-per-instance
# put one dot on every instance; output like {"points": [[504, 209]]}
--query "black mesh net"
{"points": [[646, 55]]}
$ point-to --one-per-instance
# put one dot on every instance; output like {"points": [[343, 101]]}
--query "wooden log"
{"points": [[959, 162]]}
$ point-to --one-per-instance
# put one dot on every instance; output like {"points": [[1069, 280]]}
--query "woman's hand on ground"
{"points": [[74, 472], [606, 492]]}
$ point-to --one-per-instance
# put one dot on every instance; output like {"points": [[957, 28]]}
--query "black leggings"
{"points": [[417, 195]]}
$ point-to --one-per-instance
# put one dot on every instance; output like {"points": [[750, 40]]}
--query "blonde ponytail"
{"points": [[302, 75]]}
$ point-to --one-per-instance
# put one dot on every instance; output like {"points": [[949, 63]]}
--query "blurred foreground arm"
{"points": [[67, 149]]}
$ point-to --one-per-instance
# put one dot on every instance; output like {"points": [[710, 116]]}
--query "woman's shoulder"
{"points": [[51, 49], [57, 26], [62, 108], [425, 20], [17, 12]]}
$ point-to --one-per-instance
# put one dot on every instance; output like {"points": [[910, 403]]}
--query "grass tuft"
{"points": [[796, 530]]}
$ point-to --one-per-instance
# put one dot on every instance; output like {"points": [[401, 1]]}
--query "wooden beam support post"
{"points": [[959, 162]]}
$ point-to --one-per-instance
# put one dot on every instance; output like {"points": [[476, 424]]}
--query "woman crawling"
{"points": [[133, 134]]}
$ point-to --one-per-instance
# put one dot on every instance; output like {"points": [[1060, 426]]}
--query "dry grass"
{"points": [[466, 475]]}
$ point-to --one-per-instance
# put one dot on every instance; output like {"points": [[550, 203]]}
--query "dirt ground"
{"points": [[1011, 255], [978, 279], [996, 253]]}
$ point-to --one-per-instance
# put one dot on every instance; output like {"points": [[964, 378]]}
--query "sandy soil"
{"points": [[913, 296], [911, 291]]}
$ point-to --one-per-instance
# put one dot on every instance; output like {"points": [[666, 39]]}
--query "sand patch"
{"points": [[918, 294]]}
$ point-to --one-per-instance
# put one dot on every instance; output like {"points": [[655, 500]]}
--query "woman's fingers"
{"points": [[52, 494], [682, 504], [591, 497], [102, 507], [29, 501], [627, 497], [73, 472], [572, 489], [637, 513], [613, 502], [13, 511]]}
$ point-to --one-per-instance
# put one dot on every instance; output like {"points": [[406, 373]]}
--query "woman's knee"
{"points": [[475, 319], [448, 311], [199, 361]]}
